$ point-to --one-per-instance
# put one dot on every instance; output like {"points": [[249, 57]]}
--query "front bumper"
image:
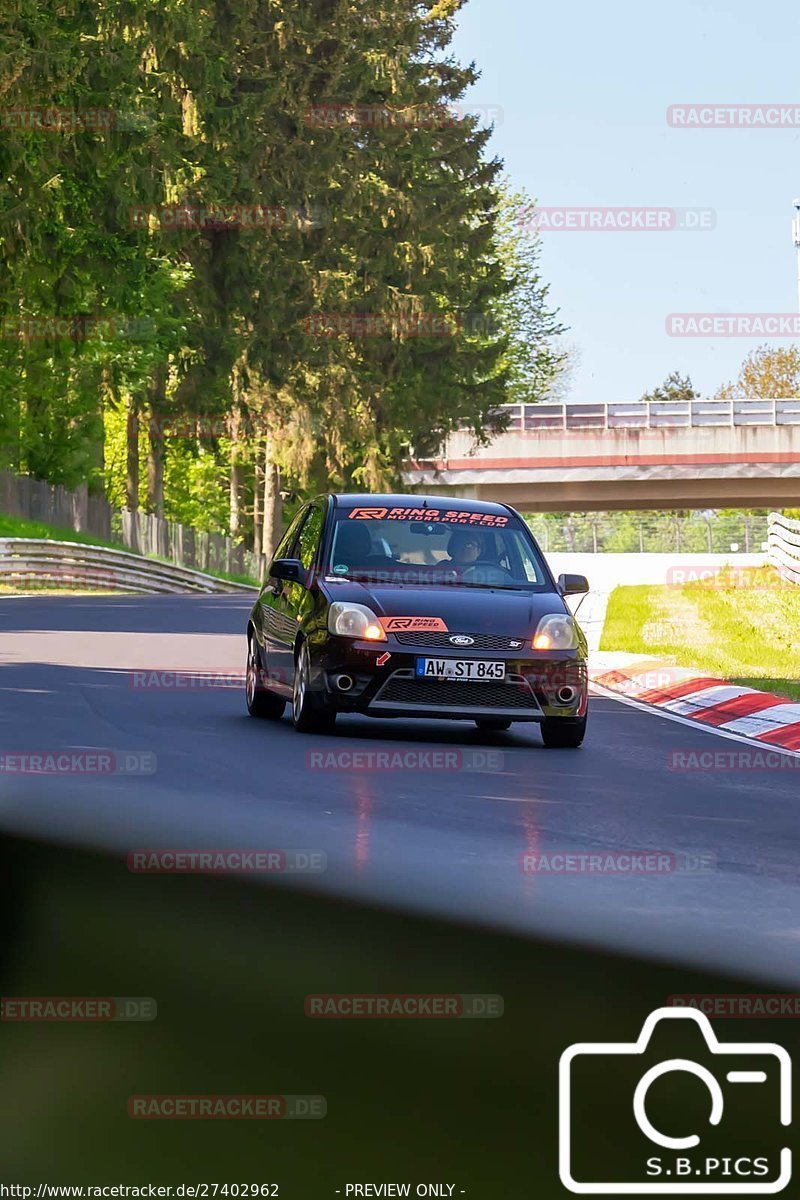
{"points": [[384, 682]]}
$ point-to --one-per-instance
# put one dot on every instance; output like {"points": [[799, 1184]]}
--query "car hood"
{"points": [[463, 610]]}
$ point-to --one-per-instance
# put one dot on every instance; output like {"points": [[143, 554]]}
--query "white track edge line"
{"points": [[610, 694]]}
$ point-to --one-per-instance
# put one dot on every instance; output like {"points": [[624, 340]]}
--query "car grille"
{"points": [[481, 641], [440, 693]]}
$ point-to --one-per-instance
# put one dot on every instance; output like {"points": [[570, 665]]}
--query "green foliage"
{"points": [[401, 217], [530, 327], [676, 387], [768, 372], [195, 492]]}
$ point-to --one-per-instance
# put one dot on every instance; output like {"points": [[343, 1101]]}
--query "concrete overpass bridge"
{"points": [[651, 455]]}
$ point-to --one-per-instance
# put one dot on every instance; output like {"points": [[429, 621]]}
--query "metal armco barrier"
{"points": [[784, 546], [32, 562]]}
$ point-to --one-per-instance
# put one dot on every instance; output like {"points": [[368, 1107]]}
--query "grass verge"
{"points": [[742, 626]]}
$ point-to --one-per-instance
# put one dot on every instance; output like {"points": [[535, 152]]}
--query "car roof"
{"points": [[453, 503]]}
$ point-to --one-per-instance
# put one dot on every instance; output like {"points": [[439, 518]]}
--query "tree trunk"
{"points": [[107, 394], [272, 520], [132, 458], [235, 486], [258, 495], [35, 434], [156, 444]]}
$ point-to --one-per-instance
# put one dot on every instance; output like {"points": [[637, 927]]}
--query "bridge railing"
{"points": [[653, 414], [784, 546]]}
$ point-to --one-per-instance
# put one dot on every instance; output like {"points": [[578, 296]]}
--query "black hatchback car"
{"points": [[399, 606]]}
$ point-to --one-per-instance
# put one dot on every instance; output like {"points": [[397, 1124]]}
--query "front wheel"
{"points": [[492, 724], [563, 733], [307, 712], [260, 702]]}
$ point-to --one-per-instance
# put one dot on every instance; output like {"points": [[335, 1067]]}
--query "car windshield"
{"points": [[435, 547]]}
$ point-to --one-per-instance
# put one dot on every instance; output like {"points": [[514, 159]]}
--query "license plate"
{"points": [[459, 668]]}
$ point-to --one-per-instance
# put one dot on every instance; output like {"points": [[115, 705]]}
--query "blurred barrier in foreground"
{"points": [[39, 562], [229, 971], [784, 546]]}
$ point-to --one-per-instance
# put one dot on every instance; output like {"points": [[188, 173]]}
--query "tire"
{"points": [[308, 715], [260, 703], [563, 733], [493, 724]]}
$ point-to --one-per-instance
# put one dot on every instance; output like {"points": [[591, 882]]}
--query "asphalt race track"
{"points": [[450, 842]]}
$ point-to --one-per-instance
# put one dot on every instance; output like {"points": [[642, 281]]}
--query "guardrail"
{"points": [[784, 546], [38, 562], [653, 414], [141, 533]]}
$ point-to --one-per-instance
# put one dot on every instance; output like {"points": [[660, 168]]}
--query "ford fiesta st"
{"points": [[397, 606]]}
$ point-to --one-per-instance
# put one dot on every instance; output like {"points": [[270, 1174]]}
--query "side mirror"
{"points": [[290, 569], [573, 585]]}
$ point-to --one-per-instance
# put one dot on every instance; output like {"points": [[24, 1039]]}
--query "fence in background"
{"points": [[784, 546], [147, 534], [143, 533], [35, 500], [653, 533], [33, 563]]}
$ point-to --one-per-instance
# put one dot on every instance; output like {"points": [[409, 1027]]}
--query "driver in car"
{"points": [[473, 558], [465, 548]]}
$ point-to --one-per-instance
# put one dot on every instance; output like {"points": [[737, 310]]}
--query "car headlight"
{"points": [[557, 631], [355, 621]]}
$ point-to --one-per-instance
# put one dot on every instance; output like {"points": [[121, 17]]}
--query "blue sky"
{"points": [[584, 88]]}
